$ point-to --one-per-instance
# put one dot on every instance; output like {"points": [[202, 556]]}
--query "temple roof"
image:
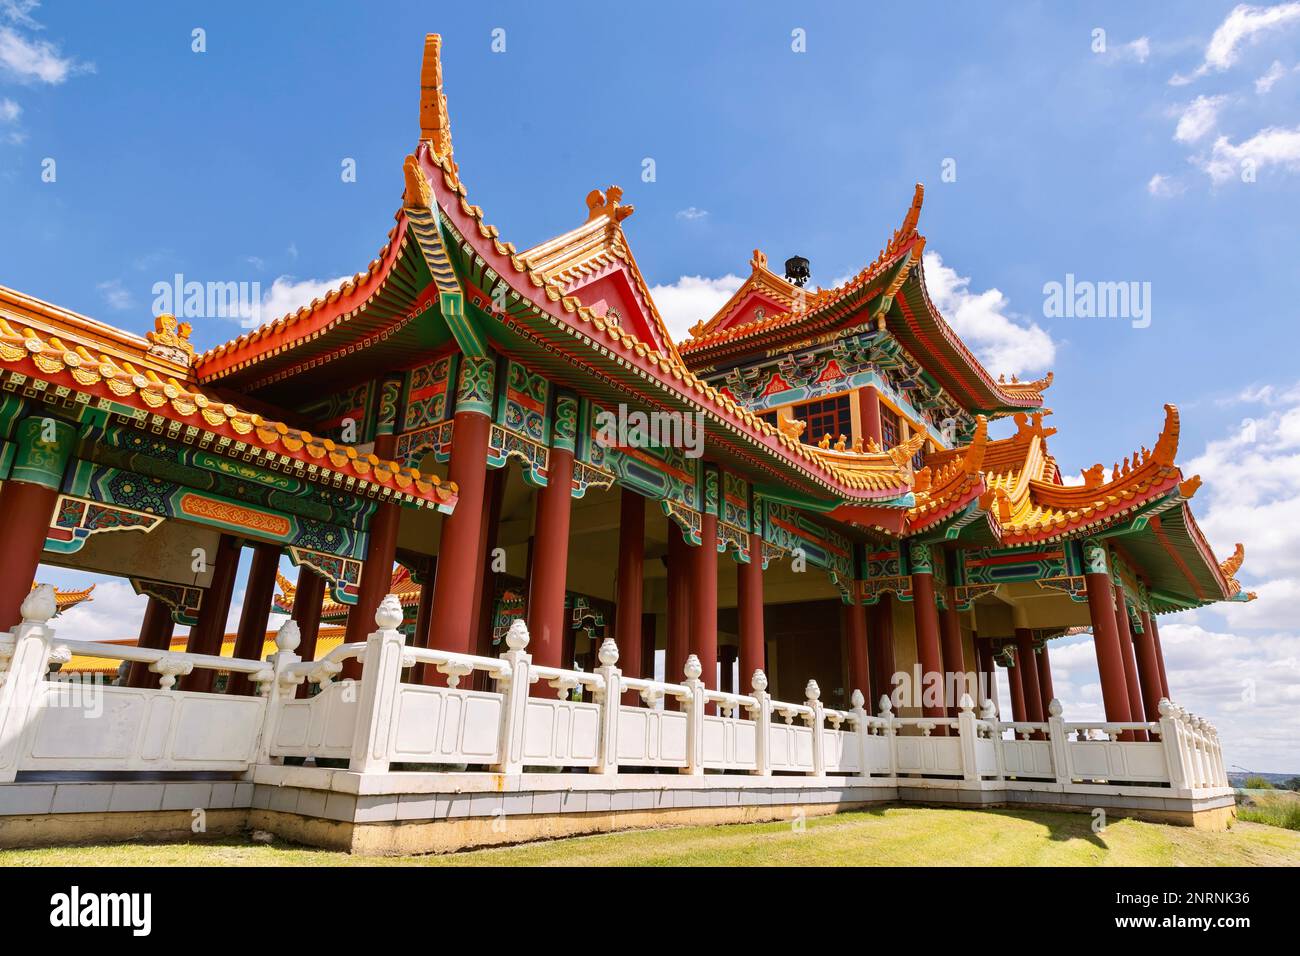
{"points": [[129, 379], [890, 293], [67, 600], [402, 585]]}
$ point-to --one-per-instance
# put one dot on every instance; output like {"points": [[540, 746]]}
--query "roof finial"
{"points": [[758, 260], [607, 204], [434, 123]]}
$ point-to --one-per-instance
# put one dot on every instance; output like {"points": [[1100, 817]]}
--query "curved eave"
{"points": [[272, 346], [602, 345]]}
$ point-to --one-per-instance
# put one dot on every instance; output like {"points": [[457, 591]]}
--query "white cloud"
{"points": [[116, 296], [9, 111], [36, 61], [1244, 24], [1198, 118], [1162, 187], [1002, 341], [287, 295], [1274, 146], [691, 299], [16, 11], [113, 613], [1274, 73], [1138, 50], [691, 213]]}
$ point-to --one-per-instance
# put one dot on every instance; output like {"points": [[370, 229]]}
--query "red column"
{"points": [[704, 600], [679, 605], [206, 636], [546, 625], [1028, 668], [749, 593], [927, 636], [25, 512], [882, 631], [259, 591], [485, 579], [1129, 659], [954, 656], [308, 596], [155, 634], [855, 633], [1017, 689], [376, 579], [869, 415], [1045, 679], [1105, 636], [1148, 669], [1160, 658], [631, 583], [453, 587]]}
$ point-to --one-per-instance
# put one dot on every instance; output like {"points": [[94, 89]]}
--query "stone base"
{"points": [[409, 813]]}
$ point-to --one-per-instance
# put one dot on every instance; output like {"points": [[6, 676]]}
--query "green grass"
{"points": [[1280, 810], [900, 836]]}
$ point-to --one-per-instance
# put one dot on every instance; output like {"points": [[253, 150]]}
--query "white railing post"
{"points": [[513, 686], [609, 697], [694, 717], [863, 731], [1058, 742], [887, 715], [989, 714], [761, 714], [968, 734], [277, 686], [381, 678], [24, 660], [817, 720], [1171, 735]]}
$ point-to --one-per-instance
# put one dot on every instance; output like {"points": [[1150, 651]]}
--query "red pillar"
{"points": [[155, 634], [259, 591], [546, 624], [1125, 631], [954, 657], [1105, 636], [453, 587], [1045, 679], [927, 633], [1148, 669], [376, 579], [882, 631], [1160, 658], [704, 600], [679, 605], [631, 583], [206, 636], [1017, 689], [1028, 668], [869, 415], [308, 596], [749, 593], [25, 512], [855, 633]]}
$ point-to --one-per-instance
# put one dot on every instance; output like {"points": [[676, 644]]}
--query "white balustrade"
{"points": [[532, 718]]}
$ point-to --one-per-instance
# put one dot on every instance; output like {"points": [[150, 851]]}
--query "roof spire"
{"points": [[607, 204], [434, 124]]}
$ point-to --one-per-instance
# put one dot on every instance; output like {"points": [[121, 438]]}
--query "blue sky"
{"points": [[1123, 164]]}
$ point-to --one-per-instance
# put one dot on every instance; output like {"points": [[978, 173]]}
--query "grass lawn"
{"points": [[900, 836]]}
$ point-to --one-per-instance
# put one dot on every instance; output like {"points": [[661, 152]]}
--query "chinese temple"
{"points": [[436, 428]]}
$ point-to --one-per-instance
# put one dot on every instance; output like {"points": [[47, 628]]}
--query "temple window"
{"points": [[770, 418], [890, 427], [830, 416]]}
